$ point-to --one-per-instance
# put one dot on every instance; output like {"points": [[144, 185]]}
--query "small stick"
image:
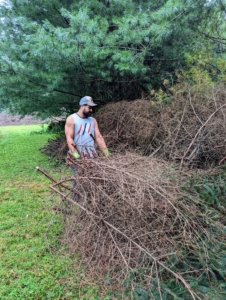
{"points": [[92, 137], [56, 182], [47, 175], [220, 162], [76, 148]]}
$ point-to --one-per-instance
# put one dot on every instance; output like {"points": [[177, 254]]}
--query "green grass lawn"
{"points": [[28, 269]]}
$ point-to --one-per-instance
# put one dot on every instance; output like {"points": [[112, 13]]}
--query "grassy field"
{"points": [[28, 269]]}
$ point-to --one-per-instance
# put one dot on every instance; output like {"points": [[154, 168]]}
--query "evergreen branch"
{"points": [[62, 18], [213, 38], [40, 84], [163, 59]]}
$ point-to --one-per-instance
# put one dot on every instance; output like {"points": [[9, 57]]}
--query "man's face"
{"points": [[87, 111]]}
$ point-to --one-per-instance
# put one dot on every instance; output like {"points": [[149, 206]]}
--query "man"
{"points": [[81, 129]]}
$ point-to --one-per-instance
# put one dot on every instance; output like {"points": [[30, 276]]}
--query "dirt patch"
{"points": [[6, 119]]}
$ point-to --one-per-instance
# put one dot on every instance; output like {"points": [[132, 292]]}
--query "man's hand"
{"points": [[106, 152], [75, 154]]}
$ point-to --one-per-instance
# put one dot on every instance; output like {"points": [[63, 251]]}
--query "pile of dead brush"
{"points": [[134, 226], [195, 123], [134, 125], [56, 148], [189, 130]]}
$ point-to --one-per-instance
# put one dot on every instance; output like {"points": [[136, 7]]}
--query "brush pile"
{"points": [[189, 130], [56, 148], [133, 126], [131, 222], [195, 123]]}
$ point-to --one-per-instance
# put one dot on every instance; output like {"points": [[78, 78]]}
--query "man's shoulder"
{"points": [[70, 117], [93, 119], [74, 116]]}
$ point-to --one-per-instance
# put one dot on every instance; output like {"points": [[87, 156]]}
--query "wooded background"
{"points": [[55, 52]]}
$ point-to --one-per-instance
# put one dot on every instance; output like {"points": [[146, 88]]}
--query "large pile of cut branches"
{"points": [[189, 130], [195, 122], [133, 125], [56, 148], [136, 228]]}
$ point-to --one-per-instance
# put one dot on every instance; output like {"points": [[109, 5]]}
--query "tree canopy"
{"points": [[55, 52]]}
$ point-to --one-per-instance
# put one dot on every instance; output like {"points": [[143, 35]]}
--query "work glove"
{"points": [[75, 154], [106, 152]]}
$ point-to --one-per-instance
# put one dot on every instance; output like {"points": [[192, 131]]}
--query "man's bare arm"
{"points": [[98, 137], [69, 133]]}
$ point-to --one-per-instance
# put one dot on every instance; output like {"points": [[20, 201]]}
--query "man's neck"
{"points": [[80, 114]]}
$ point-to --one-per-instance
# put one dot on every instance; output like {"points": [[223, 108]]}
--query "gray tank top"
{"points": [[82, 130]]}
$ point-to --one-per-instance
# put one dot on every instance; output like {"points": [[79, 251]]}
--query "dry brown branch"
{"points": [[220, 162]]}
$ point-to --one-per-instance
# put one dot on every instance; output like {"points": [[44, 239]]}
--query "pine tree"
{"points": [[55, 52]]}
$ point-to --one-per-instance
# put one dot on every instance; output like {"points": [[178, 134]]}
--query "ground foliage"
{"points": [[145, 228]]}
